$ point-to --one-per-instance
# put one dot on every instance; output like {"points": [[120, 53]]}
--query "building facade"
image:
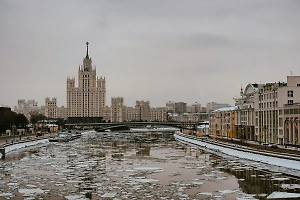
{"points": [[222, 122], [26, 107], [176, 107], [158, 114], [143, 108], [268, 113], [51, 108], [214, 106], [88, 99], [117, 109]]}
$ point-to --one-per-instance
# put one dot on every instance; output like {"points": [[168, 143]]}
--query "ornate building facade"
{"points": [[88, 99]]}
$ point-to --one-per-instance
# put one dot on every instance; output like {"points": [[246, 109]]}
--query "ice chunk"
{"points": [[146, 180], [31, 191], [109, 195], [283, 195], [149, 168]]}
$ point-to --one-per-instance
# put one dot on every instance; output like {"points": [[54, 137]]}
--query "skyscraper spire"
{"points": [[87, 50]]}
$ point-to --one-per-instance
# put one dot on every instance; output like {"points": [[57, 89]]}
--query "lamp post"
{"points": [[265, 134], [227, 132], [241, 136], [260, 119], [275, 136]]}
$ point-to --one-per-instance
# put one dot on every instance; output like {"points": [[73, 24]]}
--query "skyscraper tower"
{"points": [[88, 99]]}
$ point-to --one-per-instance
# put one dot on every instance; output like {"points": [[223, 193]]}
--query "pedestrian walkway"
{"points": [[9, 140]]}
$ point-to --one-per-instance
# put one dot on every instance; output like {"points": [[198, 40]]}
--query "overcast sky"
{"points": [[157, 50]]}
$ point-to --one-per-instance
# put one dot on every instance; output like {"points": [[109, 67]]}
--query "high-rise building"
{"points": [[88, 99], [26, 107], [214, 106], [51, 108], [143, 108], [176, 107], [117, 109]]}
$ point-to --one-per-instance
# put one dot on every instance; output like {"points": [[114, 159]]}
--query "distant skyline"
{"points": [[158, 51]]}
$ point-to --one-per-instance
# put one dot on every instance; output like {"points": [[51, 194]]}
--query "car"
{"points": [[274, 146], [266, 144], [39, 133]]}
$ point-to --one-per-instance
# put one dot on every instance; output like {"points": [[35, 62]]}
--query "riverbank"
{"points": [[284, 165], [8, 144]]}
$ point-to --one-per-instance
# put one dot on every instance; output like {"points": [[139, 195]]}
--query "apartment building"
{"points": [[26, 107], [158, 114], [222, 122], [269, 112], [188, 117], [88, 99], [176, 107], [62, 112], [51, 108], [117, 109], [132, 114], [214, 106], [107, 114], [143, 109], [194, 108]]}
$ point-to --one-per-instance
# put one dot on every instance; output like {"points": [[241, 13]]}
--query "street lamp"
{"points": [[265, 133], [241, 136], [275, 136], [227, 132], [260, 119]]}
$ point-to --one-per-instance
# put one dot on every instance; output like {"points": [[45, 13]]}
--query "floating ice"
{"points": [[280, 179], [109, 195], [31, 191], [205, 193], [283, 195], [75, 197], [149, 169], [290, 186], [197, 183], [146, 180], [6, 195]]}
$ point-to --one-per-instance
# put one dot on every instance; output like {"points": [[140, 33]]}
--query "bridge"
{"points": [[127, 125]]}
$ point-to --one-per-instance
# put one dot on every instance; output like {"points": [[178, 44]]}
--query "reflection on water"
{"points": [[258, 182], [124, 165]]}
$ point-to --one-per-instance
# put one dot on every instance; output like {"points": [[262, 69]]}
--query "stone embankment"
{"points": [[282, 153], [10, 143]]}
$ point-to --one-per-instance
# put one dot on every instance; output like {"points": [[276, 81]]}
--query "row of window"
{"points": [[292, 111], [268, 96], [271, 104]]}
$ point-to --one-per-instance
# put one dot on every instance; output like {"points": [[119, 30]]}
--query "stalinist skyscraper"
{"points": [[88, 99]]}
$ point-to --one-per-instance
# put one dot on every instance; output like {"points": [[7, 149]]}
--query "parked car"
{"points": [[39, 133], [274, 146]]}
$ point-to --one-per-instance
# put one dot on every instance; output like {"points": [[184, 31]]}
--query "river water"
{"points": [[132, 166]]}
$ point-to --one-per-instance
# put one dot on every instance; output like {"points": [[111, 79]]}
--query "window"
{"points": [[290, 102], [290, 93]]}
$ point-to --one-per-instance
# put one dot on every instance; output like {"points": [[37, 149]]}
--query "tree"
{"points": [[10, 118], [35, 117]]}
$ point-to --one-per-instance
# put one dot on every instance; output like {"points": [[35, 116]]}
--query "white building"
{"points": [[26, 107], [88, 99], [263, 110], [214, 106], [117, 109], [51, 108]]}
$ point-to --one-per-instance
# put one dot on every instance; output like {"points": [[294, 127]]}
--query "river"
{"points": [[132, 166]]}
